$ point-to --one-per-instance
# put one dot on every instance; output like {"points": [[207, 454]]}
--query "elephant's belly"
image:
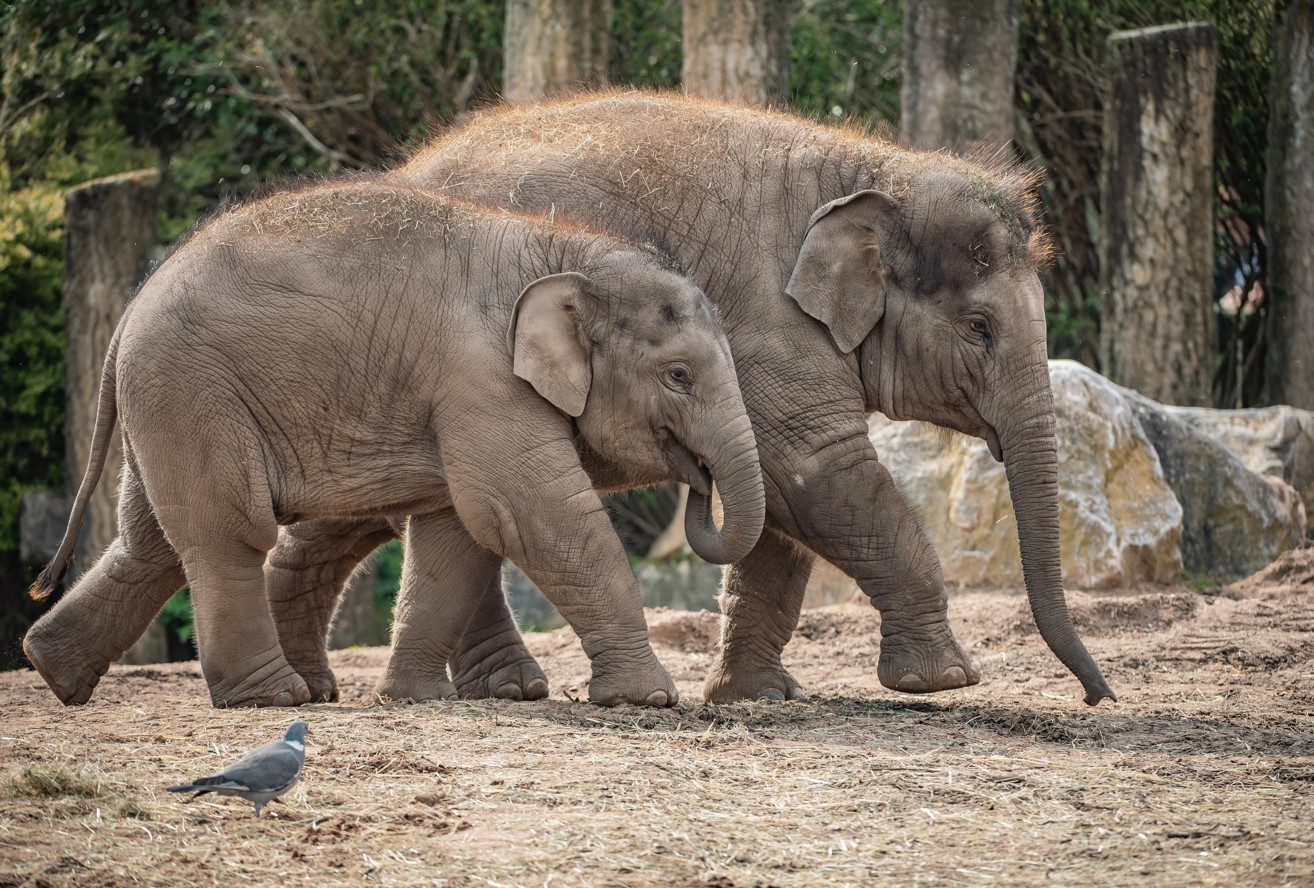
{"points": [[368, 487]]}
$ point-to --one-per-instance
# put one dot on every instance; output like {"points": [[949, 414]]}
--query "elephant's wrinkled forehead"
{"points": [[947, 236], [661, 312]]}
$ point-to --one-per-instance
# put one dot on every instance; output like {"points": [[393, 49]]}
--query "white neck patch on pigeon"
{"points": [[299, 747]]}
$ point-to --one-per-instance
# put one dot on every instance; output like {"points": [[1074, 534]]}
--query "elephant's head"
{"points": [[635, 352], [938, 294]]}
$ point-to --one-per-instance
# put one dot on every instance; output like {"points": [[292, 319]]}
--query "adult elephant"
{"points": [[852, 276]]}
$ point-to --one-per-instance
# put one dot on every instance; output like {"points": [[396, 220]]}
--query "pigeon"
{"points": [[261, 775]]}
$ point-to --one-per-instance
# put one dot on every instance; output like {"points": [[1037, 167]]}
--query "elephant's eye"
{"points": [[979, 328], [679, 378]]}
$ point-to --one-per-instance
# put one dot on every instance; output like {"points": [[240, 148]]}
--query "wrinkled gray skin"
{"points": [[851, 277], [367, 350]]}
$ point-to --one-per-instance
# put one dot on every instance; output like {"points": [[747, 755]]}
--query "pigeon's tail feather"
{"points": [[101, 439], [192, 788], [201, 785]]}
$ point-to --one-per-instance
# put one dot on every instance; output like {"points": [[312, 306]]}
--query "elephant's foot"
{"points": [[645, 683], [729, 682], [60, 661], [323, 685], [417, 687], [922, 664], [311, 663], [274, 684], [499, 667]]}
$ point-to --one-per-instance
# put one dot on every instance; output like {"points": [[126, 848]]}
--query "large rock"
{"points": [[1276, 441], [1143, 492], [1119, 520], [1235, 521]]}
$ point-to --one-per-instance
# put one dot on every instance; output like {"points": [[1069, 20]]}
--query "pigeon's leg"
{"points": [[304, 576], [111, 605], [445, 574]]}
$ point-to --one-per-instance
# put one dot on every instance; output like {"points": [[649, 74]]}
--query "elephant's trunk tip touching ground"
{"points": [[1031, 463]]}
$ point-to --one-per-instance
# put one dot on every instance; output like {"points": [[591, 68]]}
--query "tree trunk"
{"points": [[355, 622], [1289, 209], [1156, 225], [959, 57], [737, 50], [553, 45], [109, 232]]}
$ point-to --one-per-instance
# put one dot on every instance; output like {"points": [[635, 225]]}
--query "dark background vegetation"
{"points": [[223, 96]]}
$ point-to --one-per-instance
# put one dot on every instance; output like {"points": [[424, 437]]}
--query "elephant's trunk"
{"points": [[1031, 462], [732, 462]]}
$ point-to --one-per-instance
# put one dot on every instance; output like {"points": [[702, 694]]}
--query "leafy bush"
{"points": [[32, 386]]}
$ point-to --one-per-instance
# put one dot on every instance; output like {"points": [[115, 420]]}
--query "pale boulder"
{"points": [[1274, 441], [1235, 521], [1119, 519]]}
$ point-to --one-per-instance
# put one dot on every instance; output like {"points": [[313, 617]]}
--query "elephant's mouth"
{"points": [[992, 441], [690, 468]]}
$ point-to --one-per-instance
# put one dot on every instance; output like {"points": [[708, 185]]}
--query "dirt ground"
{"points": [[1201, 774]]}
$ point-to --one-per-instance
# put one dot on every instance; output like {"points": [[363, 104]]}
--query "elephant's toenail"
{"points": [[510, 691], [657, 698], [911, 681], [955, 676], [771, 694], [282, 698]]}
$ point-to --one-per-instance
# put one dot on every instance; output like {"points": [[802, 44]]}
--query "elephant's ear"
{"points": [[549, 345], [838, 278]]}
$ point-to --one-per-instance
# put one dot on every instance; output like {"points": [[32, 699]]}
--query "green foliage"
{"points": [[387, 573], [32, 386], [645, 45], [177, 616], [844, 59]]}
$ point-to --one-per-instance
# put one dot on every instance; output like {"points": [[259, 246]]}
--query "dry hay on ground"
{"points": [[1202, 774]]}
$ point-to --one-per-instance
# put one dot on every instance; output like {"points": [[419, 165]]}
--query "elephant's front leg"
{"points": [[444, 577], [837, 499], [543, 513], [304, 576]]}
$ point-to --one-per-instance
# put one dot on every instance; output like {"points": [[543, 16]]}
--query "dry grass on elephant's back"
{"points": [[1203, 773]]}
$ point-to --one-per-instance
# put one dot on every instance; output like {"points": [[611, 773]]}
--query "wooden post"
{"points": [[109, 232], [737, 50], [1156, 222], [551, 45], [959, 58], [1289, 209]]}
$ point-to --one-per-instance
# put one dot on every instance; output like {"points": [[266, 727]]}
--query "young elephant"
{"points": [[853, 277], [361, 349]]}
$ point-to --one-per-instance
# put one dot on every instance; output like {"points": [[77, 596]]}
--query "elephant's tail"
{"points": [[106, 413]]}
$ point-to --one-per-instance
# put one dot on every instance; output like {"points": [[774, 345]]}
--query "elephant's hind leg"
{"points": [[444, 576], [748, 665], [223, 527], [241, 658], [492, 660], [111, 605], [305, 574]]}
